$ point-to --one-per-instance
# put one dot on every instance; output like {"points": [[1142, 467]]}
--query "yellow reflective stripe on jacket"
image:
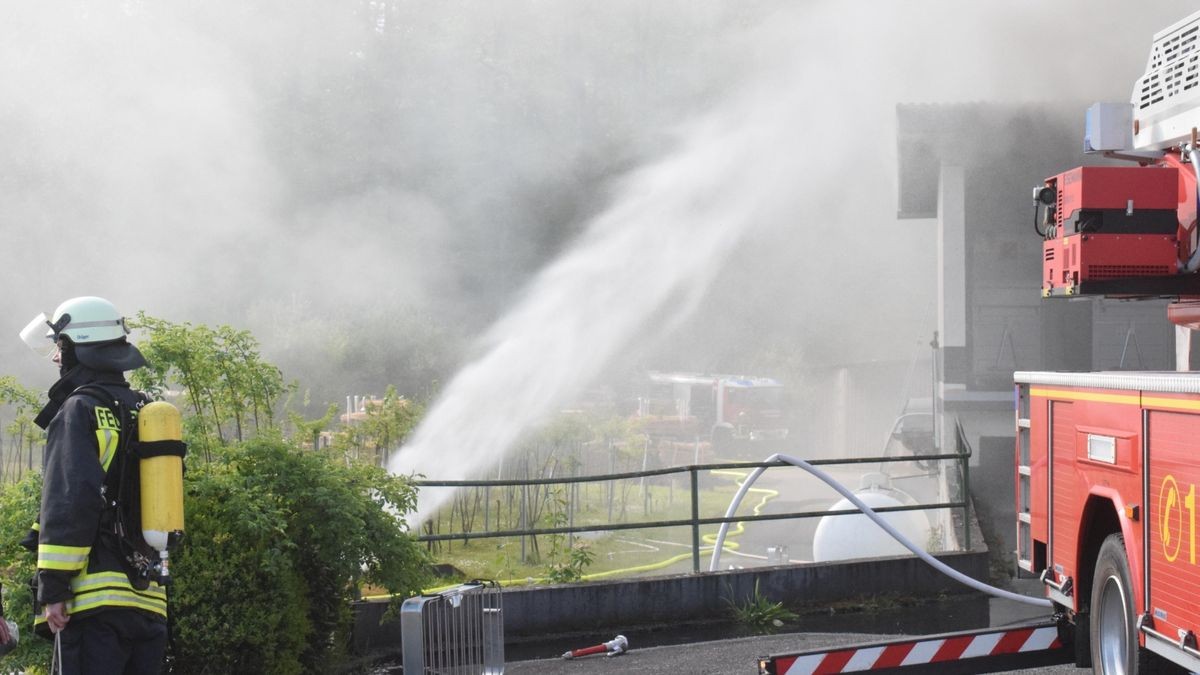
{"points": [[37, 527], [67, 558], [112, 589], [90, 582], [107, 440]]}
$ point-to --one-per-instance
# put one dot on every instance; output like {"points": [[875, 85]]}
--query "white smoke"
{"points": [[641, 267], [800, 164]]}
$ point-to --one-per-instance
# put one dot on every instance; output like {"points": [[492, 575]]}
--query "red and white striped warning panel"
{"points": [[971, 651]]}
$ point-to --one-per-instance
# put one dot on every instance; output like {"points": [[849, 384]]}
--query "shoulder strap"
{"points": [[96, 392], [122, 513]]}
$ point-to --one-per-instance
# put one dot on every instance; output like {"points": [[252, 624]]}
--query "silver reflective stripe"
{"points": [[62, 557], [92, 324], [87, 582], [113, 588], [119, 598]]}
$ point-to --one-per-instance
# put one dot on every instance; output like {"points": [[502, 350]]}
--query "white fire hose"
{"points": [[870, 513]]}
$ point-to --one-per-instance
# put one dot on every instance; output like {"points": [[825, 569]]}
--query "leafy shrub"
{"points": [[237, 601], [18, 510], [567, 563], [578, 560], [278, 542]]}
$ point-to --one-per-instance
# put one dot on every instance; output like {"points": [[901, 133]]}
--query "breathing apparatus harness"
{"points": [[121, 520]]}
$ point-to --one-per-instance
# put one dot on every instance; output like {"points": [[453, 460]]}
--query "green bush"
{"points": [[237, 600], [18, 510], [279, 540]]}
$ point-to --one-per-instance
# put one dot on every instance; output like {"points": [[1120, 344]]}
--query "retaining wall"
{"points": [[607, 606]]}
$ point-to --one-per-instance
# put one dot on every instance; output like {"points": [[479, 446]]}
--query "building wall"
{"points": [[1003, 151]]}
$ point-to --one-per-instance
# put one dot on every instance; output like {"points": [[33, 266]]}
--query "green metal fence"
{"points": [[962, 457]]}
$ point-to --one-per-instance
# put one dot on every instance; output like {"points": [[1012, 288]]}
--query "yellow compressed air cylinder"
{"points": [[162, 476]]}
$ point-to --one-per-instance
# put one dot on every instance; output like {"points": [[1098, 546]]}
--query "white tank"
{"points": [[857, 536]]}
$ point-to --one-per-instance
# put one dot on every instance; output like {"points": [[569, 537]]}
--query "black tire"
{"points": [[1081, 640], [1113, 631]]}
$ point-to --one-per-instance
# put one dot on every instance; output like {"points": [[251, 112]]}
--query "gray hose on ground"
{"points": [[870, 513]]}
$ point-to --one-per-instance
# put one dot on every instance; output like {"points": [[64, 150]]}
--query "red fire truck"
{"points": [[1108, 463], [722, 408], [1106, 489]]}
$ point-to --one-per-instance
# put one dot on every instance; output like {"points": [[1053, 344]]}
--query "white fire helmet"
{"points": [[85, 320]]}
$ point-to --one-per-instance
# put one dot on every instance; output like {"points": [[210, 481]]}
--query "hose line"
{"points": [[940, 566]]}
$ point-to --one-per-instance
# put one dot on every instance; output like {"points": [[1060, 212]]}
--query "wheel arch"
{"points": [[1101, 517]]}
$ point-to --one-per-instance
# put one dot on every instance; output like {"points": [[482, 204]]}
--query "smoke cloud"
{"points": [[370, 185]]}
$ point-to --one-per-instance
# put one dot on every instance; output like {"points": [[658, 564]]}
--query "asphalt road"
{"points": [[740, 655], [719, 657]]}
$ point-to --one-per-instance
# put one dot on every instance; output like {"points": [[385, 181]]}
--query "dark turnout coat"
{"points": [[79, 559]]}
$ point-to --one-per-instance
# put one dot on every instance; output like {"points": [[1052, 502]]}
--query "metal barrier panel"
{"points": [[459, 631]]}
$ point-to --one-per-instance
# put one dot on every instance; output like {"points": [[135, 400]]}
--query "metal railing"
{"points": [[963, 447], [696, 521]]}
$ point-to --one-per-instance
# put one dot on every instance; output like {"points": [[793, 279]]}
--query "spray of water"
{"points": [[800, 163], [639, 269]]}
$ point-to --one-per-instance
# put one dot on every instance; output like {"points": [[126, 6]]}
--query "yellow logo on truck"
{"points": [[1170, 519]]}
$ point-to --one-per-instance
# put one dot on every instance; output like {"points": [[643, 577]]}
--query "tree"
{"points": [[21, 431], [225, 381], [384, 427], [307, 431]]}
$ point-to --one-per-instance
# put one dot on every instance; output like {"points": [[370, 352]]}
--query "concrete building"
{"points": [[971, 168]]}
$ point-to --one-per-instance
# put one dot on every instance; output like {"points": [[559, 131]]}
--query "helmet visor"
{"points": [[39, 336]]}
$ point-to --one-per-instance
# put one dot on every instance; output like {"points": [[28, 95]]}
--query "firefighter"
{"points": [[103, 616]]}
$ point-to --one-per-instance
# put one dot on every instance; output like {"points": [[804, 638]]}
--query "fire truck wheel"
{"points": [[1114, 642], [1081, 640], [1113, 630]]}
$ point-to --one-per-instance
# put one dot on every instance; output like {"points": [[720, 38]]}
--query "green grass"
{"points": [[622, 553]]}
